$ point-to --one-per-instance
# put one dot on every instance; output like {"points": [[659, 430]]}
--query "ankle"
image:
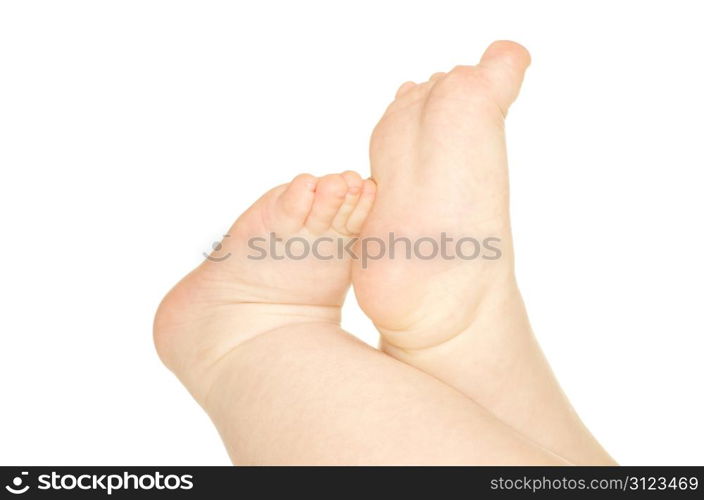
{"points": [[196, 322], [498, 301]]}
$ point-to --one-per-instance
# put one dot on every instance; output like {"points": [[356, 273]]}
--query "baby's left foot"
{"points": [[285, 261]]}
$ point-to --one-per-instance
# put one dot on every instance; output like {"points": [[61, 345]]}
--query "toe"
{"points": [[330, 194], [408, 96], [354, 191], [294, 203], [506, 63], [405, 87], [506, 53], [361, 210], [436, 76]]}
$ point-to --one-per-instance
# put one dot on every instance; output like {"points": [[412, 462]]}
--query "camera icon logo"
{"points": [[16, 488]]}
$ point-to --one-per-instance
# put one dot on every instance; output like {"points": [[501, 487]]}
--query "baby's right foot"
{"points": [[438, 156], [282, 263]]}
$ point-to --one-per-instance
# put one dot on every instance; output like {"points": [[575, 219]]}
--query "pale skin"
{"points": [[460, 378]]}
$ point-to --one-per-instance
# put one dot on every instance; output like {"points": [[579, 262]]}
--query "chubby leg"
{"points": [[313, 394]]}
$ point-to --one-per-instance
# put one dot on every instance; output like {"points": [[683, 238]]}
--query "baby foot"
{"points": [[439, 159], [283, 262]]}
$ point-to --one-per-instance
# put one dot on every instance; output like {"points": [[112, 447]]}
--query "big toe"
{"points": [[505, 63], [294, 204]]}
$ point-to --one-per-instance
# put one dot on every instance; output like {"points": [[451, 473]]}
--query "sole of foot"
{"points": [[438, 156], [279, 264]]}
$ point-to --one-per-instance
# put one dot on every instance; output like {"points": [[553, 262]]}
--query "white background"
{"points": [[132, 133]]}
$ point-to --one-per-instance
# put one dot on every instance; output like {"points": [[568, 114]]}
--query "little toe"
{"points": [[354, 191], [436, 76], [408, 95], [363, 207], [330, 194], [405, 87]]}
